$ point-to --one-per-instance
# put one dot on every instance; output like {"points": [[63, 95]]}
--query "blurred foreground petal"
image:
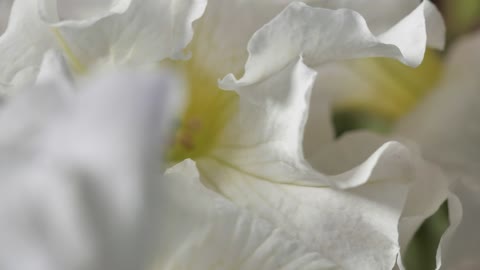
{"points": [[80, 178]]}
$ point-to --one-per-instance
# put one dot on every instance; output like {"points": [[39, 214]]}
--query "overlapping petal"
{"points": [[350, 218], [221, 35], [427, 191], [445, 124], [143, 32], [203, 230], [460, 245], [90, 183], [381, 16], [355, 228], [314, 33], [127, 32], [322, 35], [446, 129], [267, 208], [259, 164]]}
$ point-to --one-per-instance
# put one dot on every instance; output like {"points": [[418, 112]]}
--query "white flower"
{"points": [[256, 159], [442, 125], [242, 195]]}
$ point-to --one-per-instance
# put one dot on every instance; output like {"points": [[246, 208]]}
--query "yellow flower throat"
{"points": [[207, 113], [395, 89]]}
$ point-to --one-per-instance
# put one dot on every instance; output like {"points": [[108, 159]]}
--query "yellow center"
{"points": [[208, 111]]}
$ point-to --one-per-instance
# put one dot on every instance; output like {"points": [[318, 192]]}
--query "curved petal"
{"points": [[128, 33], [427, 190], [83, 196], [222, 34], [270, 119], [382, 15], [460, 249], [202, 230], [265, 136], [217, 50], [144, 33], [446, 128], [356, 228], [321, 35], [259, 165], [381, 87]]}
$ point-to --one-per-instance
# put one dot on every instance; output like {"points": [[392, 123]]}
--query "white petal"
{"points": [[222, 34], [144, 32], [427, 191], [259, 165], [356, 228], [340, 82], [49, 100], [321, 35], [53, 70], [265, 136], [446, 128], [381, 15], [78, 13], [22, 46], [264, 169], [128, 32], [445, 125], [202, 230], [460, 248], [83, 196], [271, 116], [352, 217]]}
